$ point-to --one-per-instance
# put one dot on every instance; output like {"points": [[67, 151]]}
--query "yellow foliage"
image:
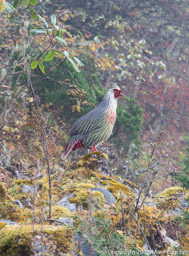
{"points": [[2, 5], [76, 108], [106, 63], [10, 129]]}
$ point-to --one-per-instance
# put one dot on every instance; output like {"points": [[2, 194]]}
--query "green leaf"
{"points": [[73, 64], [57, 53], [44, 21], [53, 19], [33, 2], [16, 2], [49, 56], [34, 15], [34, 64], [62, 41], [26, 3], [41, 66], [78, 62], [38, 31], [66, 54]]}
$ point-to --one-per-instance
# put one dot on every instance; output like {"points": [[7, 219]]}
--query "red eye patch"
{"points": [[117, 93]]}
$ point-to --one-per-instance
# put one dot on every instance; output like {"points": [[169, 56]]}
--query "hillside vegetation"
{"points": [[57, 61]]}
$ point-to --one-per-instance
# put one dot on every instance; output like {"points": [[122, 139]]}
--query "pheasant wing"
{"points": [[87, 123]]}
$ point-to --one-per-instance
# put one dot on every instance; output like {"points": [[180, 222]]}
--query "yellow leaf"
{"points": [[93, 48], [2, 5], [10, 129], [30, 99], [119, 232]]}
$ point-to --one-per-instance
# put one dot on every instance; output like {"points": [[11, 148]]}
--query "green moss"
{"points": [[17, 240], [115, 187], [92, 160], [2, 224], [85, 186], [83, 195], [27, 182], [169, 198], [173, 191], [59, 211], [8, 209], [3, 194]]}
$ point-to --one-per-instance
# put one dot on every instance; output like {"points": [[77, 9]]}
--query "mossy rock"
{"points": [[24, 240], [90, 161], [169, 199], [116, 188], [83, 195], [8, 210], [60, 211]]}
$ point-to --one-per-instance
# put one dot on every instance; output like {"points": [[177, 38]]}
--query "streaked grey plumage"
{"points": [[95, 127]]}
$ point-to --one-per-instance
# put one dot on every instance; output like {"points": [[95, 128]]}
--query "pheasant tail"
{"points": [[72, 145]]}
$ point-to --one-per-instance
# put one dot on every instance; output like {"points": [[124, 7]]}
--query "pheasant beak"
{"points": [[122, 94]]}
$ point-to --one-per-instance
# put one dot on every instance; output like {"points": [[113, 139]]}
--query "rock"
{"points": [[104, 168], [65, 202], [81, 243], [19, 204], [171, 242], [8, 222], [150, 204], [108, 196], [27, 202], [66, 221], [86, 250], [28, 189]]}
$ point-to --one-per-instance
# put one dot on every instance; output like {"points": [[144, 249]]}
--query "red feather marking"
{"points": [[78, 145], [71, 147], [110, 117]]}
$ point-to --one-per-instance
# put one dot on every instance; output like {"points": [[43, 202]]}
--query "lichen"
{"points": [[20, 240]]}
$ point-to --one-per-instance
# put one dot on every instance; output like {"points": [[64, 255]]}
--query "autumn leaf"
{"points": [[2, 5]]}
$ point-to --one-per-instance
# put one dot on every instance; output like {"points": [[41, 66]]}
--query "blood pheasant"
{"points": [[95, 127]]}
